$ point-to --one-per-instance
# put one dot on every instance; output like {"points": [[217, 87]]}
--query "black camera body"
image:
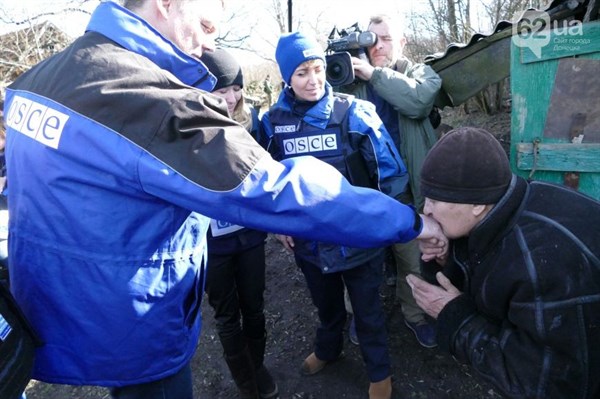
{"points": [[341, 46]]}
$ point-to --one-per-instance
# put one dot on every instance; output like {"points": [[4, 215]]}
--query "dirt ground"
{"points": [[291, 322]]}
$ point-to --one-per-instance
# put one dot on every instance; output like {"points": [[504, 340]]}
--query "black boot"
{"points": [[242, 371], [267, 388]]}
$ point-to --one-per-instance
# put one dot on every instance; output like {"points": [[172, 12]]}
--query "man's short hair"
{"points": [[394, 25]]}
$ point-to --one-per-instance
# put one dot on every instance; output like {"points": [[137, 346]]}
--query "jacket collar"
{"points": [[319, 114], [499, 221], [133, 33], [402, 65]]}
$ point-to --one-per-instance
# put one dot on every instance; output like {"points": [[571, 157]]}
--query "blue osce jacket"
{"points": [[347, 134], [115, 164], [226, 238]]}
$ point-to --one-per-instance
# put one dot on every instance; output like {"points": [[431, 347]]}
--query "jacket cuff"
{"points": [[451, 319], [376, 77], [418, 224]]}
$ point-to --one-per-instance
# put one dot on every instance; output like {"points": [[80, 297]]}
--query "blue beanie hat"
{"points": [[293, 49]]}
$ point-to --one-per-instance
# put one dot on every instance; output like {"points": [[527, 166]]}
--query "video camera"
{"points": [[341, 45]]}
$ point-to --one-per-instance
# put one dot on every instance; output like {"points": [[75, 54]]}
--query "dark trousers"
{"points": [[327, 292], [176, 386], [235, 284]]}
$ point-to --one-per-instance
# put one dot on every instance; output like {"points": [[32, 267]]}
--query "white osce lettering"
{"points": [[312, 52], [220, 227], [37, 121], [285, 129], [310, 144]]}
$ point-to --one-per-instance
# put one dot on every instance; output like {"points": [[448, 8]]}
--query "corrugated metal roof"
{"points": [[467, 68]]}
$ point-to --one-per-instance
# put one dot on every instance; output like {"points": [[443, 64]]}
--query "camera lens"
{"points": [[336, 71], [339, 70]]}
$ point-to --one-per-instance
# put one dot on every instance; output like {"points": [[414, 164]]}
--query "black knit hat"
{"points": [[466, 166], [224, 66]]}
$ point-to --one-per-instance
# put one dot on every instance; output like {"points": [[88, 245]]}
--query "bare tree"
{"points": [[447, 22], [451, 19], [33, 38], [43, 13], [497, 10], [279, 12], [26, 47], [491, 99], [254, 27]]}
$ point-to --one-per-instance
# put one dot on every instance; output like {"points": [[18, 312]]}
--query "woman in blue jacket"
{"points": [[235, 279], [309, 119]]}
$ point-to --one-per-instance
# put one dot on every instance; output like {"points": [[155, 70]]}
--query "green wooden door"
{"points": [[555, 126]]}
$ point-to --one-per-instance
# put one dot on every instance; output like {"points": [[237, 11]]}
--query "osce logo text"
{"points": [[36, 120], [310, 144], [285, 128]]}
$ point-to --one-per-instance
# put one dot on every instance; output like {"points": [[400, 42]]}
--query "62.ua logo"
{"points": [[532, 31]]}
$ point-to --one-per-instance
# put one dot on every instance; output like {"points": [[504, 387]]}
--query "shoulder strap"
{"points": [[402, 65], [255, 123], [341, 105]]}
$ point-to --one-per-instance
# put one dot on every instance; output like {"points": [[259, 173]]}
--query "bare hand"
{"points": [[431, 298], [432, 241], [362, 68], [286, 241], [430, 250]]}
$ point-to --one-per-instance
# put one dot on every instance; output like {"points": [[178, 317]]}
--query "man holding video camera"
{"points": [[403, 93]]}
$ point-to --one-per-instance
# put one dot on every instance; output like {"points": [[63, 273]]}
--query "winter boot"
{"points": [[312, 365], [267, 388], [381, 389], [242, 371]]}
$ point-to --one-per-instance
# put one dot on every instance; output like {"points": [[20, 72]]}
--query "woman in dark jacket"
{"points": [[235, 280]]}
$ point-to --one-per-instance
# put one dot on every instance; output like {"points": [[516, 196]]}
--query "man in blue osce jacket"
{"points": [[116, 163]]}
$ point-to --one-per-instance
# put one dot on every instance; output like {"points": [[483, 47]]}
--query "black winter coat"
{"points": [[529, 319]]}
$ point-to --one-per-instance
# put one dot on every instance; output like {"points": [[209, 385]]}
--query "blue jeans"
{"points": [[327, 293], [176, 386]]}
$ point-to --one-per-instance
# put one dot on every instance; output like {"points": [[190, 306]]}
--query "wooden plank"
{"points": [[559, 157], [567, 39]]}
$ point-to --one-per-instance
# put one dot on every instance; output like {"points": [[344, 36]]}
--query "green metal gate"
{"points": [[555, 127]]}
